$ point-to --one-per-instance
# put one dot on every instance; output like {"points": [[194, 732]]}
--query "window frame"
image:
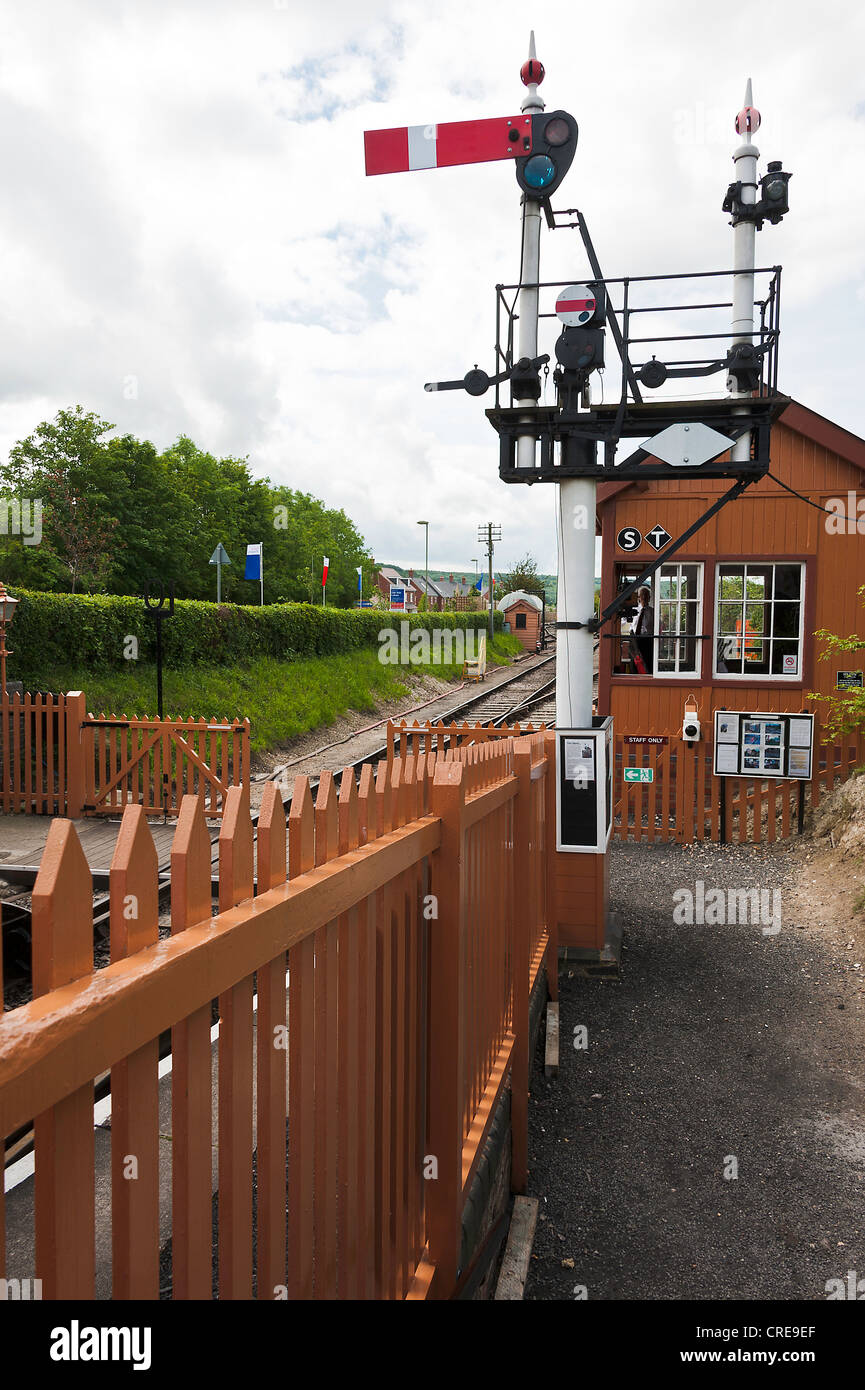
{"points": [[755, 677], [692, 674]]}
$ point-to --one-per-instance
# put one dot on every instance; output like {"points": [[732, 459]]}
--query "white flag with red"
{"points": [[324, 571]]}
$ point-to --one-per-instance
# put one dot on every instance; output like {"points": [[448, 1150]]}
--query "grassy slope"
{"points": [[281, 699]]}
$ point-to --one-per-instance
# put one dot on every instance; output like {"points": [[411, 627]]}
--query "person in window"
{"points": [[642, 635]]}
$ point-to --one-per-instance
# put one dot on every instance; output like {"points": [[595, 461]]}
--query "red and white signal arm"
{"points": [[576, 305], [411, 147]]}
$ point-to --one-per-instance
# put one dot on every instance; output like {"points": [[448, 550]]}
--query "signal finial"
{"points": [[532, 74], [748, 119]]}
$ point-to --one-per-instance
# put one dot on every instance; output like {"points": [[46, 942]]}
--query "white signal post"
{"points": [[744, 239], [576, 499], [527, 341]]}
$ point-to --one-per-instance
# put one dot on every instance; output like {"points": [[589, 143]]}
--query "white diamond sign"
{"points": [[686, 446]]}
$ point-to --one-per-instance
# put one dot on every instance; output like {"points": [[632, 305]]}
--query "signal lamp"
{"points": [[775, 201], [554, 143]]}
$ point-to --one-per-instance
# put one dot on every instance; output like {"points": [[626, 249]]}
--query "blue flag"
{"points": [[360, 578], [253, 562]]}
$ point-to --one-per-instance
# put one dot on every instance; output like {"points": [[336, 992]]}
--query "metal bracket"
{"points": [[612, 322]]}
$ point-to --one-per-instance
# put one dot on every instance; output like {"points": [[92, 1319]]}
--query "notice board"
{"points": [[759, 744]]}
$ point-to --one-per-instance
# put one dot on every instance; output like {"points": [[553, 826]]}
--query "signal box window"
{"points": [[677, 601], [758, 621], [521, 619]]}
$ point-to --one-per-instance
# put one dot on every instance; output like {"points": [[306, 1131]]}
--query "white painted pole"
{"points": [[576, 503], [527, 337], [744, 239]]}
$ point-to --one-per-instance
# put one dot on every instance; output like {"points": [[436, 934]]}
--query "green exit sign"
{"points": [[639, 774]]}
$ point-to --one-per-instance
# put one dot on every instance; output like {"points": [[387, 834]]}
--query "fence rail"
{"points": [[396, 933]]}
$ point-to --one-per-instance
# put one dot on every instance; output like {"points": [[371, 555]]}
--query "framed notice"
{"points": [[763, 745], [848, 680]]}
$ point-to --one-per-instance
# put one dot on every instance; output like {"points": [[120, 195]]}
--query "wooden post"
{"points": [[522, 868], [271, 1063], [191, 1098], [76, 782], [235, 1064], [63, 952], [550, 856], [447, 1044], [135, 1079]]}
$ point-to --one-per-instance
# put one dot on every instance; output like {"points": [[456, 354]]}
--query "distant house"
{"points": [[434, 596], [457, 591], [387, 578], [524, 615]]}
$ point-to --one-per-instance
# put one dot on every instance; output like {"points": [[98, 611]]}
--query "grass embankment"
{"points": [[281, 699]]}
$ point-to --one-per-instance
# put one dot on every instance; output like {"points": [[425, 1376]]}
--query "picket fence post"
{"points": [[76, 789], [447, 1041]]}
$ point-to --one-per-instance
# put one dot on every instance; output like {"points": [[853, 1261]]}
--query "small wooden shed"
{"points": [[524, 615]]}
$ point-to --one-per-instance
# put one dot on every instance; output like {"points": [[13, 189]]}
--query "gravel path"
{"points": [[718, 1041]]}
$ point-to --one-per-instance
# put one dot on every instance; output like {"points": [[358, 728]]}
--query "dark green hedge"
{"points": [[74, 629]]}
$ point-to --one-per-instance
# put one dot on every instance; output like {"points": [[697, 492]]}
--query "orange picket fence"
{"points": [[685, 802], [33, 754], [368, 972], [57, 759], [404, 739]]}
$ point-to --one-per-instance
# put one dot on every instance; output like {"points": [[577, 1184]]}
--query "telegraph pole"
{"points": [[487, 535], [744, 238]]}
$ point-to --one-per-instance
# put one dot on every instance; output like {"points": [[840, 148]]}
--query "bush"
{"points": [[54, 630]]}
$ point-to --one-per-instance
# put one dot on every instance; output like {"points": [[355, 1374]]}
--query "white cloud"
{"points": [[185, 202]]}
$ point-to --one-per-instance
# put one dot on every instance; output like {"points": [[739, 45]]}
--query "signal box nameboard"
{"points": [[584, 787], [763, 745]]}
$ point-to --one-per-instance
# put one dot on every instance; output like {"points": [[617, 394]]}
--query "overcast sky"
{"points": [[189, 244]]}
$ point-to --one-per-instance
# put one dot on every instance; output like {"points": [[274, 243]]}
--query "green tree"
{"points": [[846, 708], [117, 513], [524, 575], [63, 465]]}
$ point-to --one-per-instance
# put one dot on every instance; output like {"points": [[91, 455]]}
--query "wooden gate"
{"points": [[33, 754], [154, 763]]}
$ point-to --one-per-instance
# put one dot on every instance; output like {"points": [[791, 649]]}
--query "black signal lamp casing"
{"points": [[775, 199], [525, 381], [580, 349], [554, 143]]}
